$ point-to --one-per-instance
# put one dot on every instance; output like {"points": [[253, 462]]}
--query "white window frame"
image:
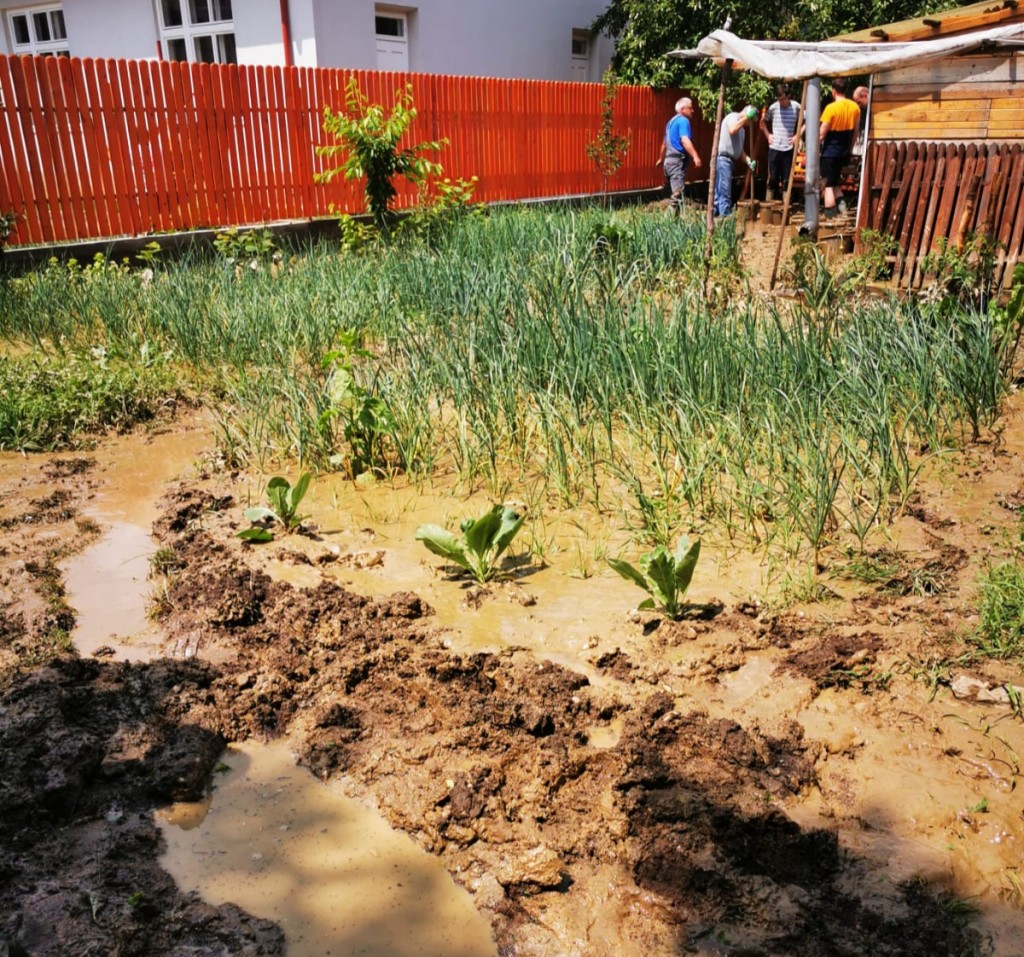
{"points": [[35, 47], [190, 33], [400, 16]]}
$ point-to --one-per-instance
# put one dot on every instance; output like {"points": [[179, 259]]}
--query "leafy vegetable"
{"points": [[482, 543], [285, 499], [663, 575]]}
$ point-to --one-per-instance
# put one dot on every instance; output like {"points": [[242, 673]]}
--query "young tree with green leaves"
{"points": [[370, 140], [607, 151]]}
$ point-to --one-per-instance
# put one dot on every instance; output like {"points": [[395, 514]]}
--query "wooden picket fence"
{"points": [[926, 194], [107, 148]]}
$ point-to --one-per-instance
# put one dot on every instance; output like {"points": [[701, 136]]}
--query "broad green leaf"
{"points": [[660, 571], [299, 489], [685, 564], [508, 527], [256, 535], [628, 572], [480, 537], [444, 543]]}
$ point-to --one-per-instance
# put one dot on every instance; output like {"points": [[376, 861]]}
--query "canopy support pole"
{"points": [[710, 224], [812, 177]]}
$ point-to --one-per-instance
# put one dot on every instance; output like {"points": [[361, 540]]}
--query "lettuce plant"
{"points": [[481, 545], [664, 575], [285, 499]]}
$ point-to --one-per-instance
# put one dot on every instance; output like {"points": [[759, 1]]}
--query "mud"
{"points": [[750, 781]]}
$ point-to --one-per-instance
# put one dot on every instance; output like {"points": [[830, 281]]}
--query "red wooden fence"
{"points": [[104, 148]]}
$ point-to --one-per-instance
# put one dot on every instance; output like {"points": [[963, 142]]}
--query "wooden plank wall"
{"points": [[945, 160], [977, 97], [94, 148], [926, 193]]}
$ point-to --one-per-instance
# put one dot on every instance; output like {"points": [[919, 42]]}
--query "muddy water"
{"points": [[108, 583], [338, 881], [270, 837]]}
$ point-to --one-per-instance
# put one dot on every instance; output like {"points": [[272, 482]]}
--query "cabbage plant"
{"points": [[664, 575], [481, 545]]}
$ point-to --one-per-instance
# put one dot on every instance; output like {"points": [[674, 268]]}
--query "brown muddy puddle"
{"points": [[329, 871], [927, 794]]}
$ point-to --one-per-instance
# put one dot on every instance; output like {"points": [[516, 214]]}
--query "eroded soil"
{"points": [[749, 781]]}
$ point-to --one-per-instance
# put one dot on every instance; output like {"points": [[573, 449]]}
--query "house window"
{"points": [[392, 29], [579, 66], [200, 31], [38, 30]]}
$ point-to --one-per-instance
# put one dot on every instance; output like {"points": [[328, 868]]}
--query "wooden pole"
{"points": [[710, 225], [789, 190]]}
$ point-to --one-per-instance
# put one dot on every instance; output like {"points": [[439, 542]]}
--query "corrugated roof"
{"points": [[958, 20]]}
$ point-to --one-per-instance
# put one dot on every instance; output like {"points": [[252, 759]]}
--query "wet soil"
{"points": [[755, 780]]}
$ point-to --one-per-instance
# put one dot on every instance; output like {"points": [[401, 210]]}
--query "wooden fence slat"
{"points": [[930, 200], [1009, 204], [38, 148], [20, 176]]}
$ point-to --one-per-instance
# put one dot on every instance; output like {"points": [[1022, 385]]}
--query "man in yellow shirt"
{"points": [[839, 123]]}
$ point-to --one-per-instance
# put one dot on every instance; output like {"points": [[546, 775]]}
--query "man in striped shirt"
{"points": [[779, 123]]}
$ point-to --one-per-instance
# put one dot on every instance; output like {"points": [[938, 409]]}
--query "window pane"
{"points": [[390, 27], [57, 24], [177, 52], [172, 12], [204, 50], [41, 24], [20, 25], [222, 9], [226, 44], [200, 11]]}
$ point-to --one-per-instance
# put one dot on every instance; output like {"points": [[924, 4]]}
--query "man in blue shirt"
{"points": [[677, 150]]}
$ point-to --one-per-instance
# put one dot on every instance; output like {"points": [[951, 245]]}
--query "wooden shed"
{"points": [[945, 142]]}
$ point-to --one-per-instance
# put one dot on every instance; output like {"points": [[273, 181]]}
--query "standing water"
{"points": [[271, 838], [330, 872]]}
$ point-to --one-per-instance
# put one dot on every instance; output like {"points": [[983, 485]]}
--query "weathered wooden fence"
{"points": [[104, 148], [926, 194]]}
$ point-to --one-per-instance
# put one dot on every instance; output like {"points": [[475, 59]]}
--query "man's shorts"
{"points": [[832, 169]]}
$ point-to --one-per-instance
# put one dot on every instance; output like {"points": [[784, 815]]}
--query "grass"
{"points": [[515, 352], [1000, 631]]}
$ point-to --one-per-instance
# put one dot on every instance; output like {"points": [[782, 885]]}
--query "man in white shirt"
{"points": [[779, 124]]}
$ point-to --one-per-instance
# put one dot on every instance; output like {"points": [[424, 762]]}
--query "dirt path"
{"points": [[752, 781]]}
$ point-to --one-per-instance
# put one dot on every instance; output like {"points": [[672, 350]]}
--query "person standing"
{"points": [[839, 123], [731, 150], [677, 150], [779, 124], [861, 95]]}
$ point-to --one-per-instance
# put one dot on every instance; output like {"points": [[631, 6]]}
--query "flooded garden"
{"points": [[312, 639]]}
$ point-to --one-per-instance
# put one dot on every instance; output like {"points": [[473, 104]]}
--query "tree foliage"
{"points": [[647, 30], [607, 151], [370, 140]]}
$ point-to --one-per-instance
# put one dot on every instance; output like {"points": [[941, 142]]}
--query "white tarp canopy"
{"points": [[791, 60]]}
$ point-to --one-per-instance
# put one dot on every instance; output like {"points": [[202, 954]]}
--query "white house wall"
{"points": [[508, 38]]}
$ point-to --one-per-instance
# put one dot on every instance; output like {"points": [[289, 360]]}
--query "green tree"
{"points": [[370, 140], [647, 30], [607, 151]]}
